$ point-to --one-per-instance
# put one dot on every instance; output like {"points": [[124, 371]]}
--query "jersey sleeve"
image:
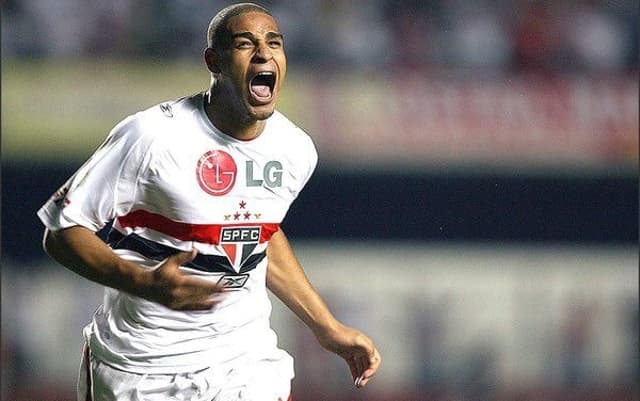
{"points": [[312, 162], [105, 186], [308, 160]]}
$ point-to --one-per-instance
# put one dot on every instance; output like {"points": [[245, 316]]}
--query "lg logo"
{"points": [[216, 173], [271, 175]]}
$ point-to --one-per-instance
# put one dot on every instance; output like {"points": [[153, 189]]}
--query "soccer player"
{"points": [[196, 189]]}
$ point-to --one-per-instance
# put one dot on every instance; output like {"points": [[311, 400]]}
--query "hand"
{"points": [[357, 350], [179, 291]]}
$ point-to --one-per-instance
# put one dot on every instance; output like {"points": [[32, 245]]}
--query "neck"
{"points": [[229, 120]]}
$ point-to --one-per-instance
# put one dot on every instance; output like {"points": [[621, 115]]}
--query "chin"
{"points": [[261, 113], [264, 115]]}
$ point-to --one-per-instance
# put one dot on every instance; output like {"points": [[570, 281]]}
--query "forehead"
{"points": [[255, 22]]}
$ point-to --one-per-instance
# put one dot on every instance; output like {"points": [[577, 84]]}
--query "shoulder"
{"points": [[298, 149], [295, 136], [169, 111], [176, 109], [147, 125]]}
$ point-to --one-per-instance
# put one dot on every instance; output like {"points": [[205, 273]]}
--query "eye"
{"points": [[275, 44], [244, 44]]}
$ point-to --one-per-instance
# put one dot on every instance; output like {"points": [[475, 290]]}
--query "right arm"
{"points": [[81, 251]]}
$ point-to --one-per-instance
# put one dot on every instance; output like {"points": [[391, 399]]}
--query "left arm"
{"points": [[287, 280]]}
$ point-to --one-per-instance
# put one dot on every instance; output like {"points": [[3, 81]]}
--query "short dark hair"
{"points": [[218, 24]]}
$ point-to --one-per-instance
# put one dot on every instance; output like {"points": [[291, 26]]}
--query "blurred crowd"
{"points": [[575, 36]]}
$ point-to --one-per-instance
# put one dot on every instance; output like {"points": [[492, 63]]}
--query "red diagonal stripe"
{"points": [[230, 250], [204, 233]]}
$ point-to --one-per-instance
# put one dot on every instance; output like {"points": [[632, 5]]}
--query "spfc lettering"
{"points": [[238, 244], [240, 234]]}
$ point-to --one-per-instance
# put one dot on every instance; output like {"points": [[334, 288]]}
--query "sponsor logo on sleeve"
{"points": [[166, 109]]}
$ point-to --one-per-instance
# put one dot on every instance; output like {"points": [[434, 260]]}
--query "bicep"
{"points": [[74, 245], [280, 253]]}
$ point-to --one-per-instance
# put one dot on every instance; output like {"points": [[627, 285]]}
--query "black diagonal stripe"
{"points": [[159, 252], [247, 249]]}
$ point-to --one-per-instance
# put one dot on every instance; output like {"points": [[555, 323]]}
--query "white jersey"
{"points": [[171, 181]]}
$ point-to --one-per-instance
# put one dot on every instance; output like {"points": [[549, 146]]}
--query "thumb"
{"points": [[181, 258]]}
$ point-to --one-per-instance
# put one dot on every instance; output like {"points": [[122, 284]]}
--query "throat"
{"points": [[235, 117], [249, 131], [231, 122]]}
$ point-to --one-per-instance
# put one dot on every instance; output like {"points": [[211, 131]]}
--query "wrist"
{"points": [[325, 328], [137, 279]]}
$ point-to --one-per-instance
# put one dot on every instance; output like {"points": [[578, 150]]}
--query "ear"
{"points": [[211, 59]]}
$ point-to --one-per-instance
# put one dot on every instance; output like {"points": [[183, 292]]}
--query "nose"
{"points": [[263, 53]]}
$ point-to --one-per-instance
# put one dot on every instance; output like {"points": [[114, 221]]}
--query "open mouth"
{"points": [[261, 86]]}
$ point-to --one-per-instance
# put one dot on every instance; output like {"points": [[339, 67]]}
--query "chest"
{"points": [[211, 182]]}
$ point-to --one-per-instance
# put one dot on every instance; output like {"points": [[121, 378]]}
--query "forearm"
{"points": [[286, 280], [82, 252]]}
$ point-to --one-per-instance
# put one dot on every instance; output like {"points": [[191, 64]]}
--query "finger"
{"points": [[374, 363], [362, 364], [199, 300], [359, 367], [353, 368], [358, 381], [201, 286], [182, 258], [198, 306], [176, 260]]}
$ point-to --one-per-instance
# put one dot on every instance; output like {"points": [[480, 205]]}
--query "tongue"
{"points": [[261, 90]]}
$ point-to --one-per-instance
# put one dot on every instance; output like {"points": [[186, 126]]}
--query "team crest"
{"points": [[238, 244]]}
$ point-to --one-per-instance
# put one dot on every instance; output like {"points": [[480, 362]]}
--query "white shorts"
{"points": [[246, 380]]}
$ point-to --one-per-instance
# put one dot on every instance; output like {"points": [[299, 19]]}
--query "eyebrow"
{"points": [[249, 35]]}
